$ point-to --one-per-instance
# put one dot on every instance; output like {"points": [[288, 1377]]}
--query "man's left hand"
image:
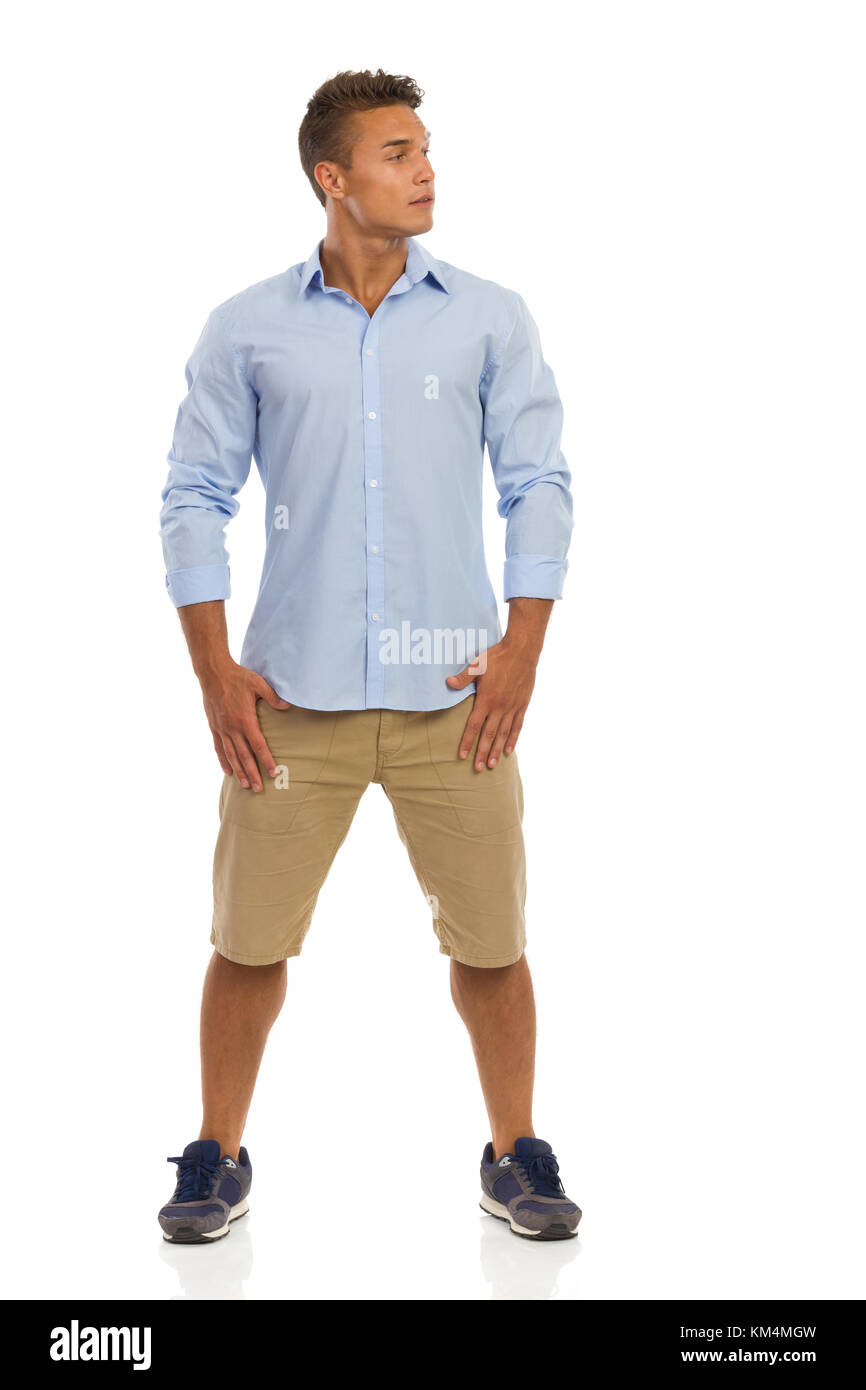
{"points": [[502, 694]]}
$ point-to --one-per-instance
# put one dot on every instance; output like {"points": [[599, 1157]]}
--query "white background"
{"points": [[677, 191]]}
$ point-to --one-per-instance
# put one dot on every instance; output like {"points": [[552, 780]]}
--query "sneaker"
{"points": [[210, 1193], [523, 1189]]}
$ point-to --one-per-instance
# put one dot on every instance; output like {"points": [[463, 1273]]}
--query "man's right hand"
{"points": [[230, 692]]}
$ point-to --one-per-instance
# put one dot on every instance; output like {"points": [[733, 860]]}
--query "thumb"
{"points": [[270, 695], [461, 680]]}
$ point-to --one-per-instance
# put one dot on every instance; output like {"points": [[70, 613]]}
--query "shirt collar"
{"points": [[419, 263]]}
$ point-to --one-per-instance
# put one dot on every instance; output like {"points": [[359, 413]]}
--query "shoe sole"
{"points": [[557, 1230], [188, 1235]]}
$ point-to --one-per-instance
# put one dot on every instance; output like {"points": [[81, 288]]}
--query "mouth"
{"points": [[419, 202]]}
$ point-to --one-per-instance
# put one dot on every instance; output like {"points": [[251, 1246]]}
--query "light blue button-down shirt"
{"points": [[368, 434]]}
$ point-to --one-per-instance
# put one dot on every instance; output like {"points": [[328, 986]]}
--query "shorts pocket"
{"points": [[485, 803], [300, 742]]}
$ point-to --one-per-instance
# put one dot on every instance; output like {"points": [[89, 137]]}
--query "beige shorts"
{"points": [[462, 829]]}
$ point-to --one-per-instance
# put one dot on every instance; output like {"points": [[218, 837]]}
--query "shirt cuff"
{"points": [[534, 576], [202, 584]]}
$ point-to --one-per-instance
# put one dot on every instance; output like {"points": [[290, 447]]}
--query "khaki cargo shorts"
{"points": [[462, 830]]}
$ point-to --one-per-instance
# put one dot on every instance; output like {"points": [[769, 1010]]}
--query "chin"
{"points": [[423, 217]]}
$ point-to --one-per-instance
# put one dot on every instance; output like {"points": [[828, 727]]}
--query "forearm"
{"points": [[527, 624], [204, 627]]}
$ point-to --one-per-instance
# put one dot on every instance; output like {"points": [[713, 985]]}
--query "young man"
{"points": [[365, 382]]}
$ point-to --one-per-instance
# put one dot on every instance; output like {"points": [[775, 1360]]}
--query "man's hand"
{"points": [[503, 691], [230, 692]]}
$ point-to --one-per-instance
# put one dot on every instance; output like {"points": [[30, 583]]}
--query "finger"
{"points": [[471, 731], [461, 680], [516, 726], [488, 733], [248, 762], [261, 751], [220, 752], [234, 759], [268, 693], [500, 740]]}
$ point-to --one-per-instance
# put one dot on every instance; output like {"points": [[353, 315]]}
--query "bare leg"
{"points": [[239, 1005], [498, 1007]]}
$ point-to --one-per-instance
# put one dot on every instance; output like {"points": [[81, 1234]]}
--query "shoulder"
{"points": [[480, 289], [486, 303], [241, 310]]}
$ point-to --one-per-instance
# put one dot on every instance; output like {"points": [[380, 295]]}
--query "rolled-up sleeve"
{"points": [[522, 429], [209, 462]]}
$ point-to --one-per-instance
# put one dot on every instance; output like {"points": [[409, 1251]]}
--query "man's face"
{"points": [[389, 188]]}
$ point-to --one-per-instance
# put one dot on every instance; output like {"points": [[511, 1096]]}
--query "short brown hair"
{"points": [[326, 130]]}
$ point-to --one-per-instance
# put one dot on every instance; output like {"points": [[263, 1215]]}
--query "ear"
{"points": [[329, 179]]}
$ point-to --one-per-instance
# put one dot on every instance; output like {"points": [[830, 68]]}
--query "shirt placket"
{"points": [[374, 493], [374, 510]]}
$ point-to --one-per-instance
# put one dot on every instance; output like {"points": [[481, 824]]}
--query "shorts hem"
{"points": [[240, 958], [489, 961]]}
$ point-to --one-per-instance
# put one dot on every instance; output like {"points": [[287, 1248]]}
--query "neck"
{"points": [[365, 266]]}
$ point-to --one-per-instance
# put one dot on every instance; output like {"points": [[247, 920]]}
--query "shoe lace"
{"points": [[194, 1178], [542, 1173]]}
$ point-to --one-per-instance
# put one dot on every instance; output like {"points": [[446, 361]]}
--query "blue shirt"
{"points": [[368, 434]]}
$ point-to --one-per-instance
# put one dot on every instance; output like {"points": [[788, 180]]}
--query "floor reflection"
{"points": [[517, 1268], [216, 1271]]}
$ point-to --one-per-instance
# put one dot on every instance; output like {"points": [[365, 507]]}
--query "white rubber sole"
{"points": [[240, 1209], [497, 1209]]}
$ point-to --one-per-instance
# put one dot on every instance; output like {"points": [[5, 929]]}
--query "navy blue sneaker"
{"points": [[523, 1188], [210, 1193]]}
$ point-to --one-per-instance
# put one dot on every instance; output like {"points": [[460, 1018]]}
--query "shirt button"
{"points": [[375, 617], [371, 414], [369, 352], [375, 549], [373, 483], [348, 299]]}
